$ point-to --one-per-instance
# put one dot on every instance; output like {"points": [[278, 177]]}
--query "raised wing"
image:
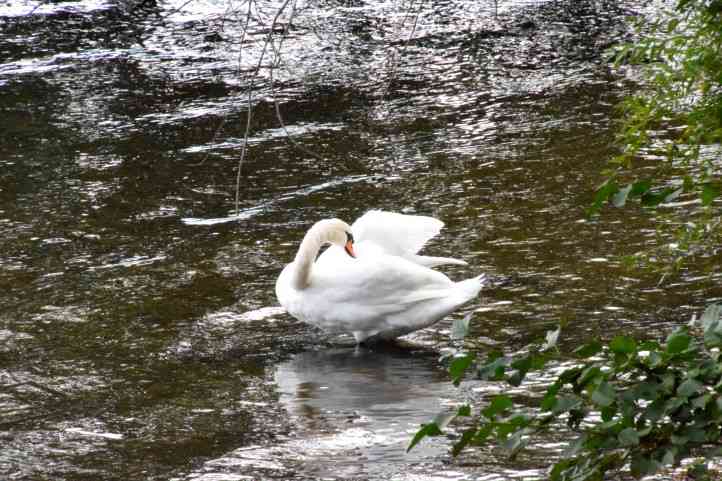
{"points": [[397, 234]]}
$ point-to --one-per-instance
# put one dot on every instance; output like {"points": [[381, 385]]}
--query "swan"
{"points": [[371, 281]]}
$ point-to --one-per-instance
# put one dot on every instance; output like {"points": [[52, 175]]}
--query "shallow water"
{"points": [[139, 333]]}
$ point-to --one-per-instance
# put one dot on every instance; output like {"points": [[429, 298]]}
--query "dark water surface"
{"points": [[139, 337]]}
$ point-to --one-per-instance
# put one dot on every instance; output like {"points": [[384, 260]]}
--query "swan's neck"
{"points": [[306, 256]]}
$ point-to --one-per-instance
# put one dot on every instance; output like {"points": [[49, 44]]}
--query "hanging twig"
{"points": [[397, 53], [249, 107], [276, 64], [244, 31]]}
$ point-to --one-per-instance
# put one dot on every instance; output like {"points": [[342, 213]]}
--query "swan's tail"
{"points": [[470, 288]]}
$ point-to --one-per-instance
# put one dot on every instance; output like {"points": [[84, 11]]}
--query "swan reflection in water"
{"points": [[368, 401]]}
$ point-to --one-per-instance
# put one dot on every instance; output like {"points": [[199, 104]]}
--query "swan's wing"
{"points": [[397, 234], [387, 294], [373, 287], [381, 294]]}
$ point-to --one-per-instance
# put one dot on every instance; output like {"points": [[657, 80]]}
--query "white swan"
{"points": [[378, 286]]}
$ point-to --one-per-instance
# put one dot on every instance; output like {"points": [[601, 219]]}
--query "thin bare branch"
{"points": [[244, 31], [276, 64], [249, 107], [396, 54]]}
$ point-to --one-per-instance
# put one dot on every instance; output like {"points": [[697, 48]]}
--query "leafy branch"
{"points": [[681, 60], [643, 406]]}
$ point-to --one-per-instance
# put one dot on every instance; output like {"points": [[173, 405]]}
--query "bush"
{"points": [[646, 405], [681, 59], [635, 405]]}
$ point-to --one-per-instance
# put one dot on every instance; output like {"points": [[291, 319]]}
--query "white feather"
{"points": [[399, 235]]}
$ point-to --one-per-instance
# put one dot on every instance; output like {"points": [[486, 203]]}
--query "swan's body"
{"points": [[386, 291]]}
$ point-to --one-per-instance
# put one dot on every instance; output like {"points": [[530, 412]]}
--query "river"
{"points": [[140, 338]]}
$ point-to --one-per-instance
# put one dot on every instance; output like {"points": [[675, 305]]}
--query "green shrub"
{"points": [[647, 405]]}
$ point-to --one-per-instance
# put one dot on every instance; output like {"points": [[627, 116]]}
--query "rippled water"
{"points": [[139, 333]]}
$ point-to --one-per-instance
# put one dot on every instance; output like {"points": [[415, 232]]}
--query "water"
{"points": [[139, 337]]}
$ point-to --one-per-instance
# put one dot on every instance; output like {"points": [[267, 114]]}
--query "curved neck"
{"points": [[306, 256]]}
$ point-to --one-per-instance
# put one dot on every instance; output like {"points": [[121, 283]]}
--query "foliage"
{"points": [[646, 405], [640, 406], [681, 57]]}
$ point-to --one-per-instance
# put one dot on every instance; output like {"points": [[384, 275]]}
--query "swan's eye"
{"points": [[349, 237]]}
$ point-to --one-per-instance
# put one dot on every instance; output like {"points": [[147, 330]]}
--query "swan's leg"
{"points": [[362, 336]]}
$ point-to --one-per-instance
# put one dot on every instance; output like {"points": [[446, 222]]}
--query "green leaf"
{"points": [[709, 194], [575, 447], [588, 375], [646, 390], [498, 405], [673, 194], [640, 187], [494, 369], [606, 190], [699, 470], [620, 197], [643, 466], [623, 345], [608, 414], [655, 411], [678, 342], [672, 25], [515, 442], [654, 360], [670, 456], [668, 381], [566, 403], [484, 432], [464, 410], [711, 315], [548, 402], [701, 401], [523, 363], [673, 404], [712, 323], [688, 183], [654, 198], [466, 437], [459, 365], [430, 429], [689, 388], [460, 328], [695, 435], [678, 439], [588, 350], [561, 469], [628, 437], [604, 395]]}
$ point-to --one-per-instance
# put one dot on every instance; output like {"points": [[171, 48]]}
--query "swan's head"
{"points": [[335, 231]]}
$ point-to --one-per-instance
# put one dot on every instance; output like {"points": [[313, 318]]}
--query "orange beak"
{"points": [[349, 249]]}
